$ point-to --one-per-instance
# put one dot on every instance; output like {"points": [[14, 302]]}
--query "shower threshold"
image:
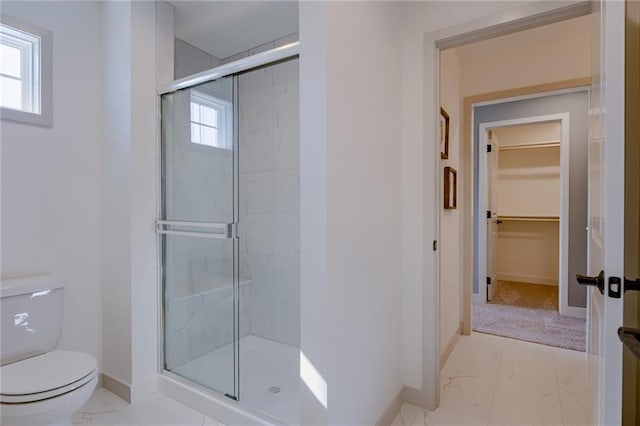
{"points": [[265, 366]]}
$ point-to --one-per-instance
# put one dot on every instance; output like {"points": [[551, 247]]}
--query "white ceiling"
{"points": [[224, 28]]}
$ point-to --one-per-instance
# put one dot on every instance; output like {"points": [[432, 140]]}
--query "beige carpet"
{"points": [[529, 312], [525, 295], [533, 325]]}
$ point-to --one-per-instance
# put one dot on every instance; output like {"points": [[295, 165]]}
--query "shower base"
{"points": [[269, 375]]}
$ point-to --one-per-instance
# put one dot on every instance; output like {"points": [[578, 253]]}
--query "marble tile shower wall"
{"points": [[199, 324], [199, 188], [270, 200]]}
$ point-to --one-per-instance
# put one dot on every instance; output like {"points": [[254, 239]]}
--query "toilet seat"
{"points": [[45, 376]]}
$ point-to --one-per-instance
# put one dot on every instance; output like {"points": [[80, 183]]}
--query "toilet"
{"points": [[40, 385]]}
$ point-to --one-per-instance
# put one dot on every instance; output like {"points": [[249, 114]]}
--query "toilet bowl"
{"points": [[40, 385]]}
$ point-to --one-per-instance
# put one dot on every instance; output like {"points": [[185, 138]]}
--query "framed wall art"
{"points": [[450, 188], [444, 134]]}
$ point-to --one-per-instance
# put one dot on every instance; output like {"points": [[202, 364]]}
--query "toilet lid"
{"points": [[46, 372]]}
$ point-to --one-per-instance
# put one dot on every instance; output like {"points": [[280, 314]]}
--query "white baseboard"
{"points": [[531, 279], [130, 393], [444, 356], [392, 410], [478, 299], [144, 388], [572, 311], [118, 387]]}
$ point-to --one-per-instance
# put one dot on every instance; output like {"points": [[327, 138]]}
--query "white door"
{"points": [[606, 210], [492, 216]]}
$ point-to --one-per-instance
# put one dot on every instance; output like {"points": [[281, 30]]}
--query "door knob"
{"points": [[597, 281], [631, 339], [631, 284]]}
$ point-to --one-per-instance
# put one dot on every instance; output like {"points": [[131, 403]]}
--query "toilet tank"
{"points": [[31, 311]]}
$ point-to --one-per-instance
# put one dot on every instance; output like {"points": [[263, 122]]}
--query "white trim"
{"points": [[393, 408], [209, 402], [572, 311], [477, 299], [446, 353], [41, 81], [225, 118], [531, 279], [563, 233], [531, 96], [523, 18], [141, 390], [116, 386]]}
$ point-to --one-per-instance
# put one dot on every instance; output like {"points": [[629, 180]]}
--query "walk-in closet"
{"points": [[526, 187]]}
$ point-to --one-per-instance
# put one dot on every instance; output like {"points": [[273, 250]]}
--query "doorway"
{"points": [[480, 93], [522, 246]]}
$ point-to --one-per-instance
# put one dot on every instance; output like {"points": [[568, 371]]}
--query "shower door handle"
{"points": [[197, 229]]}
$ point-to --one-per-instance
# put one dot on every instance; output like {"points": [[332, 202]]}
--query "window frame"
{"points": [[225, 119], [40, 76]]}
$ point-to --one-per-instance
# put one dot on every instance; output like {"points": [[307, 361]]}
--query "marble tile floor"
{"points": [[491, 380], [106, 409], [487, 380]]}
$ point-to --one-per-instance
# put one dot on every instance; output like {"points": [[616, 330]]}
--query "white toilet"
{"points": [[39, 385]]}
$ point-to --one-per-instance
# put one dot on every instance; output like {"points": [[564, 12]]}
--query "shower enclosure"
{"points": [[229, 232]]}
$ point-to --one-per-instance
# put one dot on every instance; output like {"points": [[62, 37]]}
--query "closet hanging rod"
{"points": [[530, 218], [549, 144]]}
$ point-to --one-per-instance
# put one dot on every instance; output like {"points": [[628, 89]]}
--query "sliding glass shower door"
{"points": [[198, 235]]}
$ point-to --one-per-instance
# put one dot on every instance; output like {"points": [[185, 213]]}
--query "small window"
{"points": [[25, 72], [210, 118]]}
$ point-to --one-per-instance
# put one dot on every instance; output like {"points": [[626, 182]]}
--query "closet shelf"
{"points": [[529, 218], [548, 144]]}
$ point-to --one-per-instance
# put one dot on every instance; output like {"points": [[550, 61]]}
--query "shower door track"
{"points": [[254, 61]]}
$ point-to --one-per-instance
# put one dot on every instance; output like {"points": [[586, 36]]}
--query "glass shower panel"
{"points": [[199, 245]]}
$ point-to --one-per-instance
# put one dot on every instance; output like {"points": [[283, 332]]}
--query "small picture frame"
{"points": [[450, 188], [443, 133]]}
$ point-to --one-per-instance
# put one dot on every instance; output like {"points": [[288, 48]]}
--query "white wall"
{"points": [[528, 133], [418, 176], [116, 152], [51, 206], [357, 348], [527, 58], [528, 184], [130, 175], [450, 225], [314, 335], [190, 60], [528, 252], [363, 209]]}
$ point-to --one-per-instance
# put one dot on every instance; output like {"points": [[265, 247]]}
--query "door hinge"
{"points": [[490, 134], [488, 280], [489, 147], [488, 214], [435, 245]]}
